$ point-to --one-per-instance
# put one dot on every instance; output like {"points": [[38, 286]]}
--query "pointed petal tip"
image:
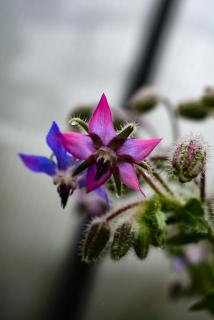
{"points": [[101, 122], [38, 164], [103, 97], [138, 149]]}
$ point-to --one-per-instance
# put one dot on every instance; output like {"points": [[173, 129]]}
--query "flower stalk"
{"points": [[203, 186]]}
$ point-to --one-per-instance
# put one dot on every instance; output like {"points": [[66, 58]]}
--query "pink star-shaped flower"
{"points": [[105, 151]]}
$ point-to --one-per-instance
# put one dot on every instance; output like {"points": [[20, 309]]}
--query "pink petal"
{"points": [[93, 184], [79, 145], [138, 149], [101, 122], [128, 176]]}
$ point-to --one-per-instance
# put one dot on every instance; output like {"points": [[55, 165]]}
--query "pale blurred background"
{"points": [[53, 56]]}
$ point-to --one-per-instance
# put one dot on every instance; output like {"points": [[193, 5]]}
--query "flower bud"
{"points": [[97, 237], [157, 225], [144, 100], [142, 240], [208, 98], [189, 159], [123, 239], [192, 110]]}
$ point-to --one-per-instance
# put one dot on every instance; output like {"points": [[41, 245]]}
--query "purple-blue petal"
{"points": [[102, 193], [53, 140], [38, 164]]}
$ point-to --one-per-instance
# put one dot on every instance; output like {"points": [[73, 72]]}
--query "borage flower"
{"points": [[60, 170], [106, 152]]}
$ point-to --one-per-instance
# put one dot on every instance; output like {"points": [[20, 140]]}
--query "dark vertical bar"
{"points": [[145, 68], [71, 289]]}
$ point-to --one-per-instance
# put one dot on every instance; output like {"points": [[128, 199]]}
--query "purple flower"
{"points": [[106, 152], [60, 170]]}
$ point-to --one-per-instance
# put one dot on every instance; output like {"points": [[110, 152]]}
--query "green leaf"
{"points": [[193, 216], [195, 207], [185, 238], [202, 276], [207, 303]]}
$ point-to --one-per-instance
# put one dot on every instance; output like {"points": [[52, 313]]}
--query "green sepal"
{"points": [[144, 165], [126, 131], [185, 238], [83, 165], [79, 122], [122, 241], [97, 237], [121, 137], [118, 187]]}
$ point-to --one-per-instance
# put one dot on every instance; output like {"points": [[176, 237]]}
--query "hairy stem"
{"points": [[160, 179], [123, 209], [150, 182], [203, 186], [159, 157]]}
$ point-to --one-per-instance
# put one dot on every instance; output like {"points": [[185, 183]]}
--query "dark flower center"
{"points": [[102, 168], [106, 158]]}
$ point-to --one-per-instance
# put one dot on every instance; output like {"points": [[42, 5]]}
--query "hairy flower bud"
{"points": [[97, 237], [123, 239], [192, 110], [144, 100], [142, 241], [189, 159]]}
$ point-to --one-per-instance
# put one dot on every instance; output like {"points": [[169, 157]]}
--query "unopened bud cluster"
{"points": [[189, 159], [148, 228]]}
